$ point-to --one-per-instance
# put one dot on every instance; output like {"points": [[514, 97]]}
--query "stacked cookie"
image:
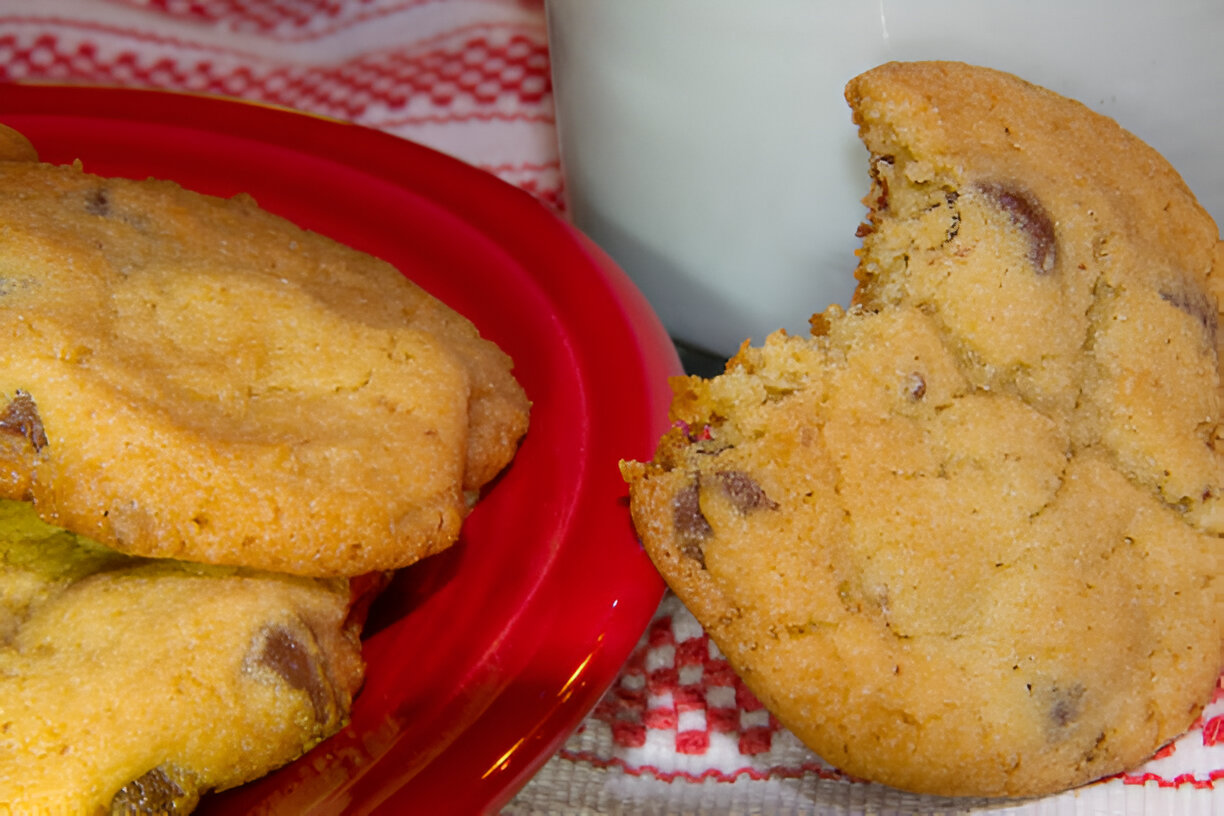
{"points": [[964, 539], [212, 423]]}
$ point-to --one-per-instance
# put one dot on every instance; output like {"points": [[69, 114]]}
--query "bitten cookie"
{"points": [[192, 377], [964, 538], [135, 686]]}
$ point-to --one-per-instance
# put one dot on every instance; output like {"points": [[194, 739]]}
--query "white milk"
{"points": [[707, 146]]}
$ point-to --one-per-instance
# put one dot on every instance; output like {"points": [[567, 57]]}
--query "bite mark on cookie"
{"points": [[1030, 217], [21, 418]]}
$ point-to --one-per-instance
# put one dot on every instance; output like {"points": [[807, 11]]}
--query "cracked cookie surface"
{"points": [[131, 685], [192, 377], [964, 538]]}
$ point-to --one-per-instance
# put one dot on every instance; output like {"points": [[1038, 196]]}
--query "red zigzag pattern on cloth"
{"points": [[288, 20], [476, 74]]}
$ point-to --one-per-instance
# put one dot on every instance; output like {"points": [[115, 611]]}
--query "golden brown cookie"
{"points": [[15, 147], [964, 539], [192, 377], [136, 686]]}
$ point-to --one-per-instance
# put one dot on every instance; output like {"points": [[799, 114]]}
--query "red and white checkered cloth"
{"points": [[468, 77], [678, 732]]}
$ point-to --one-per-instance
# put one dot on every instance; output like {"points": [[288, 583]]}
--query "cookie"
{"points": [[15, 147], [193, 377], [964, 538], [135, 686]]}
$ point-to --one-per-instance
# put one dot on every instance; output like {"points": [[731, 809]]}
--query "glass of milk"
{"points": [[707, 147]]}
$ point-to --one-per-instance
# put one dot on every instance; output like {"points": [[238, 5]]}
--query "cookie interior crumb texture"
{"points": [[964, 538], [192, 377], [132, 685]]}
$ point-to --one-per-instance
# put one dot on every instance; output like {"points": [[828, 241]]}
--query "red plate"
{"points": [[484, 658]]}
